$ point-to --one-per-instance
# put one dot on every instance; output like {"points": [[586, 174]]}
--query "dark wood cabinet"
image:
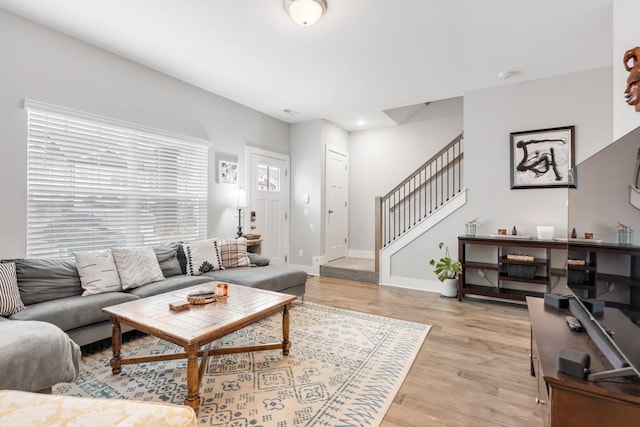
{"points": [[567, 401]]}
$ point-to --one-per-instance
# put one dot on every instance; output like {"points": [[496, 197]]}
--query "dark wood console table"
{"points": [[501, 264], [567, 401]]}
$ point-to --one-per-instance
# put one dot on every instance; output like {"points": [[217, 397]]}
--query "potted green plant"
{"points": [[448, 270]]}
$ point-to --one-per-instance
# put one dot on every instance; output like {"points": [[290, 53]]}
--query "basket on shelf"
{"points": [[576, 277], [521, 271]]}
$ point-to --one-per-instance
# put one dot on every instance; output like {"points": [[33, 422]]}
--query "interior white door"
{"points": [[269, 203], [336, 201]]}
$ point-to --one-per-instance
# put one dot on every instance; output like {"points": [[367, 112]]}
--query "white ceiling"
{"points": [[363, 57]]}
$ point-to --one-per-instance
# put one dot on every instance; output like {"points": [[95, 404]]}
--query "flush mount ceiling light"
{"points": [[305, 12]]}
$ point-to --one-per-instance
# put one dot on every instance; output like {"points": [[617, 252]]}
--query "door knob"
{"points": [[330, 211]]}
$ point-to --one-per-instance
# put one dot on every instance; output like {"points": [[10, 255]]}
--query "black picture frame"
{"points": [[543, 158]]}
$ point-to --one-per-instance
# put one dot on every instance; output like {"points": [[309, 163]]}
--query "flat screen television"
{"points": [[615, 331]]}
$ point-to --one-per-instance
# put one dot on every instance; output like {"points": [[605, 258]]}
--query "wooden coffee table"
{"points": [[197, 327]]}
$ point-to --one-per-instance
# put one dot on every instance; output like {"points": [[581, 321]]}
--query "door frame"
{"points": [[249, 150], [326, 210]]}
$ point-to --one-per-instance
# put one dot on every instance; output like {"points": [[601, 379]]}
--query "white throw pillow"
{"points": [[10, 301], [201, 257], [98, 272], [137, 266], [233, 252]]}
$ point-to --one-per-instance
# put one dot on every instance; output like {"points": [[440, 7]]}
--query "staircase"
{"points": [[421, 198]]}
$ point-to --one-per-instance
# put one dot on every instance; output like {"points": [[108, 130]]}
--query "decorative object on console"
{"points": [[137, 266], [98, 272], [632, 65], [10, 301], [545, 232], [625, 234], [201, 257], [470, 228], [543, 158]]}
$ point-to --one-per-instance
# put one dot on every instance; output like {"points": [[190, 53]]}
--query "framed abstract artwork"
{"points": [[543, 158], [228, 172]]}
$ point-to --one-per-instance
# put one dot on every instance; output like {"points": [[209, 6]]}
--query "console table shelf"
{"points": [[507, 269]]}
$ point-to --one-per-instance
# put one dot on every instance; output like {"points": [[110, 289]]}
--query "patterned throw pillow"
{"points": [[201, 257], [233, 252], [137, 266], [10, 301], [98, 272]]}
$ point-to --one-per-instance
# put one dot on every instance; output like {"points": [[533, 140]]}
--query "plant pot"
{"points": [[449, 288]]}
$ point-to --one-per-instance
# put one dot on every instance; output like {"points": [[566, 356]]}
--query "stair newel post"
{"points": [[378, 237]]}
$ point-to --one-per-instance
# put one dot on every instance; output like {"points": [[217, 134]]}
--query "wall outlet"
{"points": [[300, 252]]}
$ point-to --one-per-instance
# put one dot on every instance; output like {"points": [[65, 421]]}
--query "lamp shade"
{"points": [[241, 199], [306, 12]]}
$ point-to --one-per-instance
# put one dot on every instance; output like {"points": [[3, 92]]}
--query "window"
{"points": [[96, 183], [268, 178]]}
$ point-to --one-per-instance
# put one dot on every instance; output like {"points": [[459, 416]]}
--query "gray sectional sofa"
{"points": [[51, 290]]}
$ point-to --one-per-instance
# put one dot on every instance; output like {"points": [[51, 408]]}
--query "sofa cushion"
{"points": [[167, 255], [258, 260], [98, 272], [201, 256], [233, 252], [73, 312], [35, 356], [10, 301], [169, 284], [47, 279], [137, 266], [270, 277]]}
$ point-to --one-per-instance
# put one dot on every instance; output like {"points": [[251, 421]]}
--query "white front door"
{"points": [[336, 201], [269, 202]]}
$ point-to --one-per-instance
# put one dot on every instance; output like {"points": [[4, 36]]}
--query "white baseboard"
{"points": [[309, 269], [408, 283], [354, 253]]}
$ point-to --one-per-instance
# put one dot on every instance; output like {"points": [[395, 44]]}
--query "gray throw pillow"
{"points": [[45, 279], [167, 255], [258, 260]]}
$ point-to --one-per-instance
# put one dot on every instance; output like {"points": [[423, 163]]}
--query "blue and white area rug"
{"points": [[344, 369]]}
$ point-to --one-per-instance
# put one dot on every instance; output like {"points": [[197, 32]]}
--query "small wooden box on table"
{"points": [[197, 327], [572, 402]]}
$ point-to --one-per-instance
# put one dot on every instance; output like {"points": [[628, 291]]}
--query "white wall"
{"points": [[625, 36], [489, 117], [48, 66], [306, 179], [308, 143], [381, 158]]}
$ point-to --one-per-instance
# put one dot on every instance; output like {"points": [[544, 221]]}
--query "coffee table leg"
{"points": [[116, 345], [193, 383], [286, 344]]}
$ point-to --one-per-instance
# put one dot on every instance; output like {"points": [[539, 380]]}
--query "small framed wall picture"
{"points": [[228, 172], [543, 158]]}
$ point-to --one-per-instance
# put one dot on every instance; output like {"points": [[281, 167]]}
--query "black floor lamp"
{"points": [[241, 203]]}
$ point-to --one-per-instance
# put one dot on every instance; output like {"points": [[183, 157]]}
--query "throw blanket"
{"points": [[36, 355], [33, 409]]}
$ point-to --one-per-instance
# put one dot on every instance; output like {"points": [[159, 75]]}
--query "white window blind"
{"points": [[94, 183]]}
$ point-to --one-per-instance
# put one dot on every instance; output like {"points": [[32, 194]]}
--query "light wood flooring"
{"points": [[473, 368]]}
